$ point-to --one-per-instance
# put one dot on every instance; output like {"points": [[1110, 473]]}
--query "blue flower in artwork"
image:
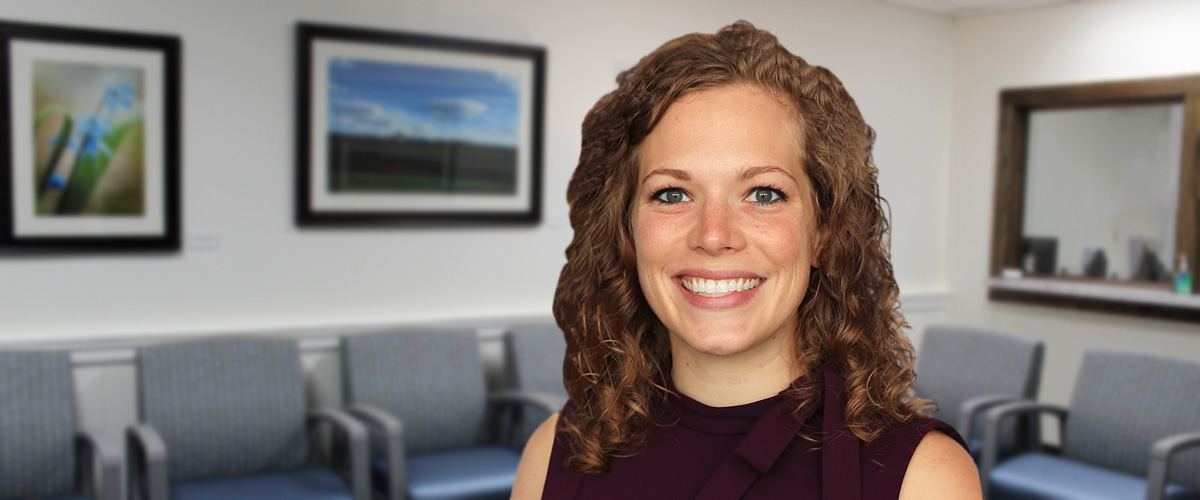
{"points": [[88, 136], [119, 96], [56, 181]]}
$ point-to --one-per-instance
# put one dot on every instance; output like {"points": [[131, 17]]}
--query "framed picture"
{"points": [[399, 128], [90, 148]]}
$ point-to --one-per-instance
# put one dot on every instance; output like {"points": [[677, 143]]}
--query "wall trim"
{"points": [[121, 350], [93, 351], [925, 301]]}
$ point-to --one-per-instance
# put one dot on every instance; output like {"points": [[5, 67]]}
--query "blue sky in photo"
{"points": [[390, 99]]}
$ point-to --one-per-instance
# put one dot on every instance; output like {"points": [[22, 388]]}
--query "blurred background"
{"points": [[926, 78]]}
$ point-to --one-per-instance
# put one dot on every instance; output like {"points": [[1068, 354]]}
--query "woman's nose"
{"points": [[717, 229]]}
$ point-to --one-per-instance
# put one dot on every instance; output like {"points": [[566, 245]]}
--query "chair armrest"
{"points": [[100, 458], [549, 402], [1160, 461], [358, 443], [991, 431], [969, 408], [393, 437], [147, 462], [504, 430]]}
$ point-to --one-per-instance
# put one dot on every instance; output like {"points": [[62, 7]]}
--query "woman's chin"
{"points": [[721, 344]]}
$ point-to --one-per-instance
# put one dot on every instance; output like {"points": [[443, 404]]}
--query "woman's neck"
{"points": [[721, 381]]}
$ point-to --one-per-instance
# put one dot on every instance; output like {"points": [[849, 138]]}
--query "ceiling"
{"points": [[959, 8]]}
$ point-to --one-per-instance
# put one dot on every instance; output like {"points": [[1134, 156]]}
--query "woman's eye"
{"points": [[671, 196], [764, 195]]}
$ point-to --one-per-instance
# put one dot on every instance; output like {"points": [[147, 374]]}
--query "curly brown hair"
{"points": [[618, 353]]}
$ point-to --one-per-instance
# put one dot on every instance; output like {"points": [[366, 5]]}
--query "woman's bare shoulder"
{"points": [[940, 469], [535, 461]]}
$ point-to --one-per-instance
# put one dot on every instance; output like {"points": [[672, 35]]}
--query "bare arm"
{"points": [[940, 469], [535, 461]]}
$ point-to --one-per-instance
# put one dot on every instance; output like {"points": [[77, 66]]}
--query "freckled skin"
{"points": [[719, 148]]}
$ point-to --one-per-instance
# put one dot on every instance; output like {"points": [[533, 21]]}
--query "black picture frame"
{"points": [[406, 129], [99, 170]]}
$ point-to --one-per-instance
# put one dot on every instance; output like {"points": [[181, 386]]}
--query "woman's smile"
{"points": [[718, 288], [707, 289]]}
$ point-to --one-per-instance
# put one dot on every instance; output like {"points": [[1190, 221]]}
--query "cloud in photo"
{"points": [[416, 101], [458, 109]]}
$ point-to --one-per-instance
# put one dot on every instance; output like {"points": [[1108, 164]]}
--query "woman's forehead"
{"points": [[734, 127]]}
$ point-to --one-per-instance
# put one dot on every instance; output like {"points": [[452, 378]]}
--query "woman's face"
{"points": [[724, 224]]}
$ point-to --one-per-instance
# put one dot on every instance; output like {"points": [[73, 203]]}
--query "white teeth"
{"points": [[718, 288]]}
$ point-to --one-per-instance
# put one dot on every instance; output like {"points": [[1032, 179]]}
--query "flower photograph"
{"points": [[88, 153], [93, 163]]}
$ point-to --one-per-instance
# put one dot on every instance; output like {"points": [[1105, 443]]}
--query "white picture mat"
{"points": [[322, 200], [26, 221]]}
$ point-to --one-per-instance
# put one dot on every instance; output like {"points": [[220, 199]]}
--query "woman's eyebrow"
{"points": [[670, 172], [753, 171]]}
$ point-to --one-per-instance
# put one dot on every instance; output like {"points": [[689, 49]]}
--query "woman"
{"points": [[730, 311]]}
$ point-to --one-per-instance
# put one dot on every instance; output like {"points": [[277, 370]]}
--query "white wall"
{"points": [[1072, 43], [238, 163]]}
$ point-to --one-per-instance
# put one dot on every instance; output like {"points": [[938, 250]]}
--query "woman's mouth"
{"points": [[718, 288]]}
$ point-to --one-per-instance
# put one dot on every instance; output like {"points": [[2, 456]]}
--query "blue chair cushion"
{"points": [[298, 484], [480, 473], [1038, 476]]}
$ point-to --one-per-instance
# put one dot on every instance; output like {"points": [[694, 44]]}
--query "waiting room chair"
{"points": [[967, 370], [1131, 422], [42, 455], [424, 395], [533, 361], [227, 419]]}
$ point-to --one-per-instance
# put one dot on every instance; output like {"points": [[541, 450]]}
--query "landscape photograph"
{"points": [[409, 128]]}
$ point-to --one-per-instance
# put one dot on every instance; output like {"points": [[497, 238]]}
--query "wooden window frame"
{"points": [[1016, 105]]}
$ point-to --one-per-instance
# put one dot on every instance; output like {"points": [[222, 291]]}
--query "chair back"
{"points": [[534, 358], [957, 363], [37, 424], [533, 361], [1125, 401], [431, 379], [225, 406]]}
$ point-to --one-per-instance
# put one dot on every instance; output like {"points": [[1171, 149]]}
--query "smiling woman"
{"points": [[730, 311], [724, 199]]}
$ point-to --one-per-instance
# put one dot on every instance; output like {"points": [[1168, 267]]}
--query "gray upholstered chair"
{"points": [[226, 418], [967, 370], [425, 398], [1133, 417], [42, 455], [533, 361]]}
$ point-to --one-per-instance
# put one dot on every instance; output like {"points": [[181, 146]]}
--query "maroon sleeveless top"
{"points": [[752, 451]]}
